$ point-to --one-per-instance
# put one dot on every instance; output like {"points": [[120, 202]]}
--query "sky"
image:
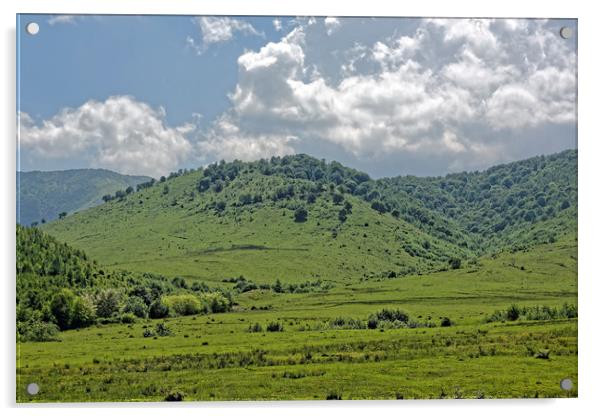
{"points": [[390, 96]]}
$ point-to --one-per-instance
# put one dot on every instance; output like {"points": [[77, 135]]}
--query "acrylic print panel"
{"points": [[295, 208]]}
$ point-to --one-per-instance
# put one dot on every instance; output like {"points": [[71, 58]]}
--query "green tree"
{"points": [[61, 307], [107, 303], [83, 312], [301, 214]]}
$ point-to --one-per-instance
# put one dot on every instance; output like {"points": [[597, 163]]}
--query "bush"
{"points": [[37, 331], [300, 214], [392, 315], [148, 333], [83, 312], [61, 306], [372, 323], [446, 322], [215, 302], [256, 327], [158, 309], [107, 303], [128, 318], [334, 396], [455, 263], [174, 396], [136, 306], [275, 327], [183, 304], [162, 330]]}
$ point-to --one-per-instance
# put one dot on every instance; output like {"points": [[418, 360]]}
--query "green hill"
{"points": [[297, 218], [44, 195]]}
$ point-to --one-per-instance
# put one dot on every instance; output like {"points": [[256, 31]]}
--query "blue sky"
{"points": [[151, 94]]}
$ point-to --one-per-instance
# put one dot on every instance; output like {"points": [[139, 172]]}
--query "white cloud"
{"points": [[218, 30], [120, 133], [422, 93], [331, 24], [226, 141], [277, 25], [61, 19]]}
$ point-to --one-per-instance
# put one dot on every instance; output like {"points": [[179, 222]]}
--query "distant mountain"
{"points": [[44, 195], [297, 218]]}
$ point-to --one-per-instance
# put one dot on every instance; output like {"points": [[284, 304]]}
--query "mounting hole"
{"points": [[33, 389], [32, 28], [566, 384], [566, 32]]}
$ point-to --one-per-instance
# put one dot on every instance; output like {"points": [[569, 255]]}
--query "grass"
{"points": [[215, 357]]}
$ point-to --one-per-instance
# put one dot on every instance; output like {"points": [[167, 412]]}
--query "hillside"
{"points": [[297, 218], [44, 195]]}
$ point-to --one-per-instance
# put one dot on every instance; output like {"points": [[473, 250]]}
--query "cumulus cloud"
{"points": [[120, 133], [331, 24], [218, 30], [446, 88]]}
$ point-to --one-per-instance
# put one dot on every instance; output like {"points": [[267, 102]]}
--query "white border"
{"points": [[590, 118]]}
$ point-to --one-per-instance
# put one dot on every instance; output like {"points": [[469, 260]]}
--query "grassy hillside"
{"points": [[234, 219], [44, 195], [317, 353]]}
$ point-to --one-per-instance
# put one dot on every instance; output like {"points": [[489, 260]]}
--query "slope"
{"points": [[211, 226], [44, 195]]}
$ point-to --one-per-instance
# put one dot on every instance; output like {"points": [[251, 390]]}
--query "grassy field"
{"points": [[216, 357]]}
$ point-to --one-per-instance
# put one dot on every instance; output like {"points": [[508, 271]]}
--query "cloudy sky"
{"points": [[390, 96]]}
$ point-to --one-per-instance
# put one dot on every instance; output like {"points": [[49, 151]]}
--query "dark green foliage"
{"points": [[37, 331], [392, 315], [136, 306], [158, 309], [256, 327], [446, 322], [534, 313], [174, 396], [162, 330], [61, 307], [455, 263], [275, 327], [301, 214]]}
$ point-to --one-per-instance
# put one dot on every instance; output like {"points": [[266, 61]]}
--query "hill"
{"points": [[44, 195], [298, 218]]}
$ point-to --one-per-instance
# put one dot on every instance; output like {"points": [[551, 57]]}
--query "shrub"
{"points": [[300, 214], [334, 396], [162, 330], [275, 327], [183, 304], [256, 327], [372, 323], [136, 306], [128, 318], [61, 306], [83, 312], [215, 302], [174, 396], [148, 333], [392, 315], [455, 263], [513, 313], [37, 331], [107, 303], [446, 322], [158, 309]]}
